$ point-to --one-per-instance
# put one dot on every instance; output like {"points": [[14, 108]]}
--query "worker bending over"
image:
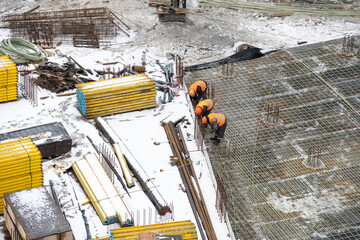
{"points": [[218, 124], [204, 107], [197, 90]]}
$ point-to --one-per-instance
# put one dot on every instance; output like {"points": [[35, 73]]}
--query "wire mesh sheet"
{"points": [[290, 157]]}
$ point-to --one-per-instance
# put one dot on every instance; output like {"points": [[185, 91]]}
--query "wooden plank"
{"points": [[146, 236], [9, 225], [159, 3], [32, 9], [177, 11], [20, 228], [52, 237], [67, 236]]}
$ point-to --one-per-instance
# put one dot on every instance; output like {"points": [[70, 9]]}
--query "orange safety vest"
{"points": [[218, 117], [207, 102], [200, 83]]}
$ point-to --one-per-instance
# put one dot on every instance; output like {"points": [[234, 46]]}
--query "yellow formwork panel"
{"points": [[184, 228], [21, 167], [8, 79], [121, 109], [116, 95], [89, 178]]}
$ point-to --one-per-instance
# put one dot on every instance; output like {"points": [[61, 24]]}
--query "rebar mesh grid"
{"points": [[286, 110]]}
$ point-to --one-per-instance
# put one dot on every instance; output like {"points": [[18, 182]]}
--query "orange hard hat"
{"points": [[198, 111], [204, 120], [192, 93]]}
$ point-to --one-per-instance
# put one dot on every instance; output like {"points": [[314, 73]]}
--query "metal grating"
{"points": [[286, 110]]}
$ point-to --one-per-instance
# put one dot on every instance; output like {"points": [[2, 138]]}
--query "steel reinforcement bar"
{"points": [[188, 176]]}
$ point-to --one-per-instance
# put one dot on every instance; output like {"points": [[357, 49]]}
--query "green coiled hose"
{"points": [[21, 51]]}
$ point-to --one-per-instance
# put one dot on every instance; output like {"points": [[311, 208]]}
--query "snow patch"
{"points": [[309, 206]]}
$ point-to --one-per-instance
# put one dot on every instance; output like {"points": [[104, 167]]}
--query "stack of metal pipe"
{"points": [[116, 95], [8, 79], [21, 167]]}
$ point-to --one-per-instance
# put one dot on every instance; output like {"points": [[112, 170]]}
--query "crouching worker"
{"points": [[218, 124], [204, 107], [197, 90]]}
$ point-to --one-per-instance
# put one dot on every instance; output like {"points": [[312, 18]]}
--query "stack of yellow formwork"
{"points": [[116, 95], [101, 191], [184, 228], [20, 167], [8, 79]]}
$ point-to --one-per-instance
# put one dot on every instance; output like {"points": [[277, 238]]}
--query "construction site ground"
{"points": [[208, 34]]}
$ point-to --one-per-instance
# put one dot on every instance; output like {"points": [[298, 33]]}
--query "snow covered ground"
{"points": [[208, 34]]}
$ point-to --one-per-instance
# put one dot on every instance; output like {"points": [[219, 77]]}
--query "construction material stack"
{"points": [[101, 191], [51, 139], [117, 95], [8, 79], [33, 214], [20, 164], [186, 229]]}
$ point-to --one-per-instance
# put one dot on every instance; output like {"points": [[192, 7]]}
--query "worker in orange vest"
{"points": [[197, 90], [204, 107], [218, 124]]}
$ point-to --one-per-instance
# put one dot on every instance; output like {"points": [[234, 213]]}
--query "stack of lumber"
{"points": [[33, 214], [20, 164], [101, 191], [184, 228], [116, 95], [8, 79]]}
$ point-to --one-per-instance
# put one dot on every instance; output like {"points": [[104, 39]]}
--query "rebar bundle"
{"points": [[8, 79], [83, 27], [184, 228], [188, 175], [101, 191], [117, 95], [21, 167]]}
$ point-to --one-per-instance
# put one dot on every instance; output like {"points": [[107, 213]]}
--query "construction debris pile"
{"points": [[117, 95], [101, 191], [58, 78], [8, 79], [185, 229], [20, 164], [82, 27]]}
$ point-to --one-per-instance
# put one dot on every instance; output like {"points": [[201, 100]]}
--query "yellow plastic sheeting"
{"points": [[8, 79], [184, 228], [101, 191], [21, 167], [116, 95]]}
